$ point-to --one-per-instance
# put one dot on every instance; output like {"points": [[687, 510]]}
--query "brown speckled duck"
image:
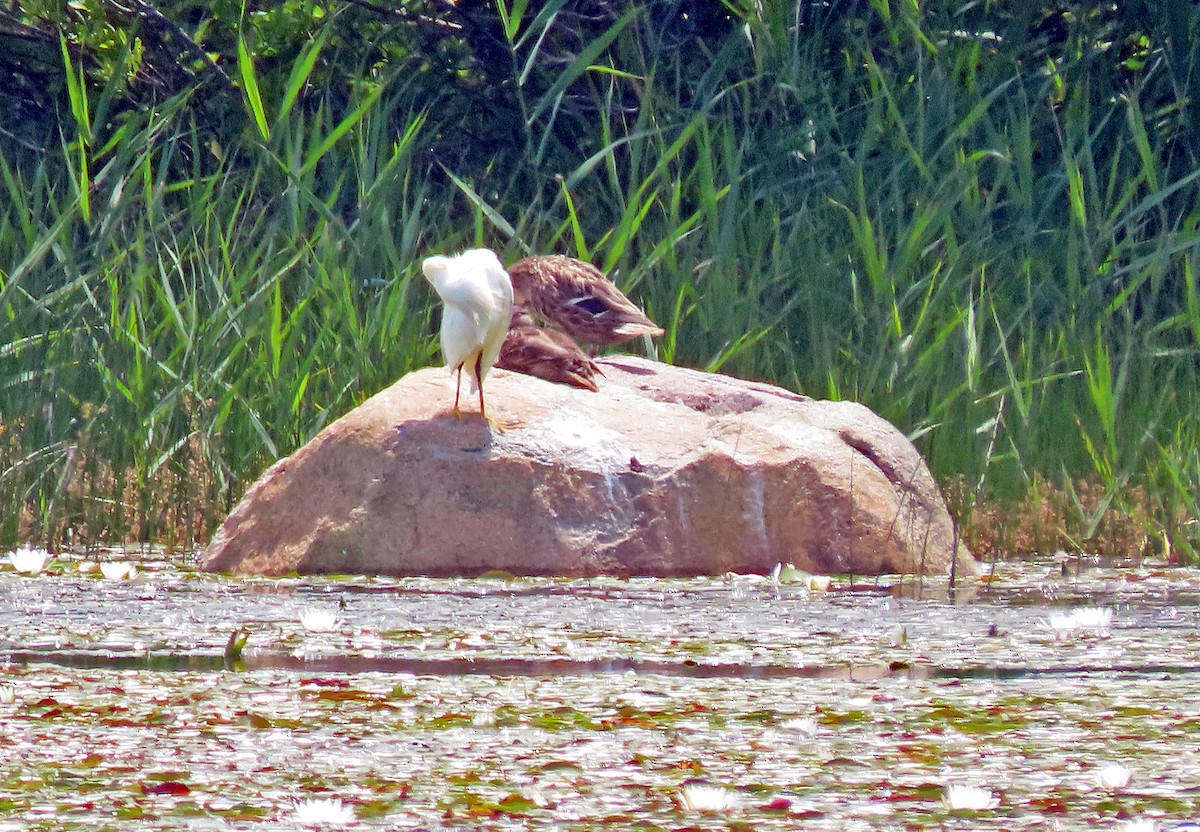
{"points": [[577, 298], [545, 353]]}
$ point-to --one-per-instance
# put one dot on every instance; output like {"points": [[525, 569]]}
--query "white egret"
{"points": [[477, 296]]}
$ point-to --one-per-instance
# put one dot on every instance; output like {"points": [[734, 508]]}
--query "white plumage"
{"points": [[477, 296]]}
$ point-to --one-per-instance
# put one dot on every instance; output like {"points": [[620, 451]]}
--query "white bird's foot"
{"points": [[502, 425]]}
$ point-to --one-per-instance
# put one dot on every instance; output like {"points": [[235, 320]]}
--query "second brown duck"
{"points": [[545, 353]]}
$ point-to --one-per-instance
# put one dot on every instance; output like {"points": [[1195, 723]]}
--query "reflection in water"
{"points": [[546, 668]]}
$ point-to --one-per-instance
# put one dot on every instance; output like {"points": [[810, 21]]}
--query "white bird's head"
{"points": [[437, 269]]}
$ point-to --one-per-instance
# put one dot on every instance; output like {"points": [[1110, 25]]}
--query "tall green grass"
{"points": [[194, 318], [993, 255]]}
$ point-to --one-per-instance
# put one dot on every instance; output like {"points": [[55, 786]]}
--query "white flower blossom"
{"points": [[960, 798], [1066, 624], [806, 725], [118, 570], [28, 561], [319, 621], [1113, 776], [323, 812], [702, 797], [1139, 825]]}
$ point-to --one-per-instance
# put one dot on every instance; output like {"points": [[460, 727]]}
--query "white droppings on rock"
{"points": [[576, 437], [755, 508]]}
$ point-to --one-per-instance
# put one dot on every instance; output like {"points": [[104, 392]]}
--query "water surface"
{"points": [[574, 704]]}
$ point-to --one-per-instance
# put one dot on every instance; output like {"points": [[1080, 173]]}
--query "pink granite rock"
{"points": [[665, 471]]}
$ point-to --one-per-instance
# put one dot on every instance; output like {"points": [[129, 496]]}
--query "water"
{"points": [[533, 704]]}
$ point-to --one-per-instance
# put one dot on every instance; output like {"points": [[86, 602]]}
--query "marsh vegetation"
{"points": [[979, 220]]}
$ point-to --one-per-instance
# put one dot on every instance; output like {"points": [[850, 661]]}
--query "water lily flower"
{"points": [[1065, 624], [960, 798], [484, 718], [787, 573], [323, 812], [118, 570], [819, 583], [1139, 825], [28, 561], [8, 694], [1113, 776], [319, 621], [1096, 618], [801, 725], [703, 797]]}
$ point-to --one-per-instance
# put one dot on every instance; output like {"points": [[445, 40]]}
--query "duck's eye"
{"points": [[593, 306]]}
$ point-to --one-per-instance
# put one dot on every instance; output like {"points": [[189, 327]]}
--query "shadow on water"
{"points": [[546, 668]]}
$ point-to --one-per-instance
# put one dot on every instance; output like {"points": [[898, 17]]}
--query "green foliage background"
{"points": [[980, 219]]}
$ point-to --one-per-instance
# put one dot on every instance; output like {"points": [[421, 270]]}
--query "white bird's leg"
{"points": [[479, 381], [457, 390], [491, 423]]}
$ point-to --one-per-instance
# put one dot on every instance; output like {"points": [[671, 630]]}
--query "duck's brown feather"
{"points": [[545, 353], [577, 298]]}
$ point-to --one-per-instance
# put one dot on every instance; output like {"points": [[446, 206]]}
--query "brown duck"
{"points": [[577, 298], [545, 353]]}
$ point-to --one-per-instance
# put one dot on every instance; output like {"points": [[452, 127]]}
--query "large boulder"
{"points": [[665, 471]]}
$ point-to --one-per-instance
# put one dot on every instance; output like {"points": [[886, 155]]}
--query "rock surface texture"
{"points": [[665, 471]]}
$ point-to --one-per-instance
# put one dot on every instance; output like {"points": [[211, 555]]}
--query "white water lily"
{"points": [[483, 718], [1113, 776], [324, 812], [1096, 618], [702, 797], [819, 583], [787, 573], [1139, 825], [319, 621], [1066, 624], [118, 570], [960, 798], [28, 561], [8, 694], [801, 725]]}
